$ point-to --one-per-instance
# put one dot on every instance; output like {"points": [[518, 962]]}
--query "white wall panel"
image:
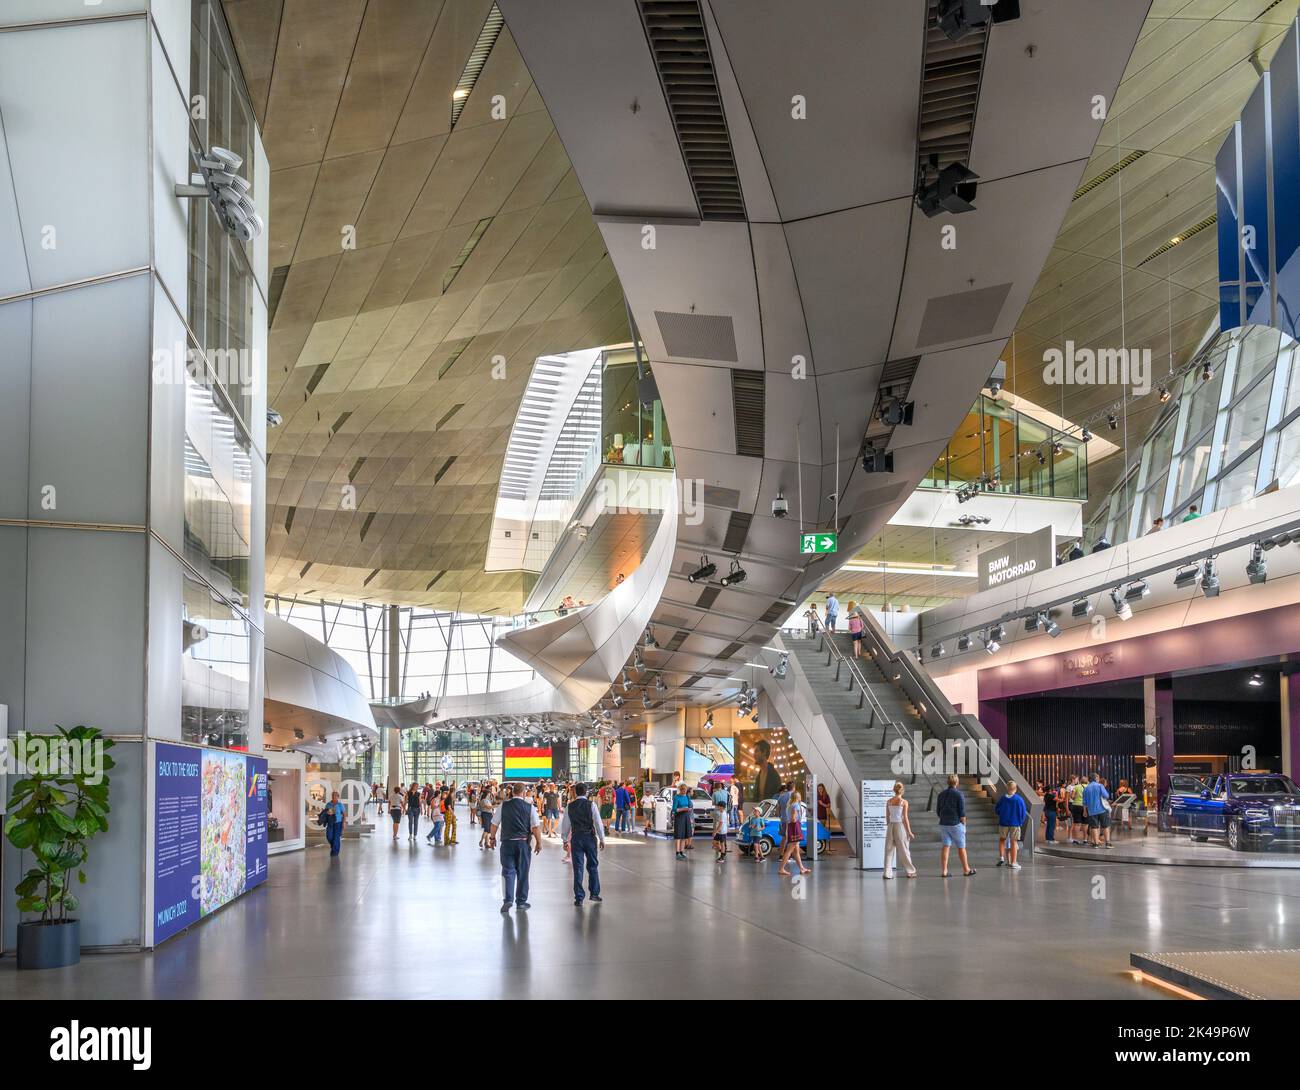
{"points": [[167, 424], [15, 379], [166, 608], [13, 628], [85, 629], [89, 402], [171, 164], [78, 147]]}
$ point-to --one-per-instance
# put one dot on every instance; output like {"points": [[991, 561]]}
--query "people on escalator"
{"points": [[855, 630]]}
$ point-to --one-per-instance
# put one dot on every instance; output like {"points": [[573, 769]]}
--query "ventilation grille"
{"points": [[730, 650], [1107, 174], [675, 644], [950, 92], [708, 596], [1179, 239], [747, 397], [698, 336], [774, 613], [487, 38], [453, 270], [692, 681], [716, 496], [680, 47], [737, 531]]}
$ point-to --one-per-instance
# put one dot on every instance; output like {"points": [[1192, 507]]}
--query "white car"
{"points": [[701, 806]]}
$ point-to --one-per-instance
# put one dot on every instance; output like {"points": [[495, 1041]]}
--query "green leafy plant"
{"points": [[54, 811]]}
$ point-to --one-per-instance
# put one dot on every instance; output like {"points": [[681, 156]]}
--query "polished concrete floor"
{"points": [[407, 920]]}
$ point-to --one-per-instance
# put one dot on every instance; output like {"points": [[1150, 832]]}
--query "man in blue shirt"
{"points": [[1094, 803], [1012, 812], [620, 809], [950, 806], [832, 612]]}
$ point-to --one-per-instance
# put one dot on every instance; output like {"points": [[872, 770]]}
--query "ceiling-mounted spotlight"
{"points": [[645, 700], [1256, 680], [957, 18], [1137, 590], [1047, 624], [298, 734], [963, 643], [991, 645], [781, 668], [1081, 608], [659, 684], [1207, 372], [877, 461], [1058, 448], [1112, 421], [626, 681], [1086, 435], [1123, 610], [998, 632], [638, 663], [703, 572], [1209, 578], [754, 718], [618, 701], [938, 651], [1031, 623], [1163, 394], [273, 418], [650, 636], [735, 576], [895, 412], [708, 721], [1186, 577], [1257, 566], [953, 190]]}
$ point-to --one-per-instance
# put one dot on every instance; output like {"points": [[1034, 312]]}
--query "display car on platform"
{"points": [[772, 835], [1249, 811]]}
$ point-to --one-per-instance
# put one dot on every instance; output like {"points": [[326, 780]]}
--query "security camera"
{"points": [[779, 507], [194, 633]]}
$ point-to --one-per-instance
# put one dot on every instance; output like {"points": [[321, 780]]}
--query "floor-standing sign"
{"points": [[875, 793]]}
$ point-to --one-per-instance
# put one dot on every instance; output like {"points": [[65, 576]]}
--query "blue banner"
{"points": [[210, 832]]}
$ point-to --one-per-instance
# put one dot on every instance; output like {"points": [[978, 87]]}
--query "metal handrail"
{"points": [[877, 708], [1004, 772]]}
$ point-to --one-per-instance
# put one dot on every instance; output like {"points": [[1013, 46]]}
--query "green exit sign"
{"points": [[810, 544]]}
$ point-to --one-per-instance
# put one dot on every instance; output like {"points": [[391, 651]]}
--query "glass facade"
{"points": [[633, 434], [1233, 432], [430, 756], [445, 654], [1004, 450]]}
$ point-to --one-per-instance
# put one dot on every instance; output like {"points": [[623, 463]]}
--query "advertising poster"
{"points": [[875, 793], [210, 832]]}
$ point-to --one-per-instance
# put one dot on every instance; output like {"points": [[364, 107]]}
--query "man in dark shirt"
{"points": [[582, 829], [951, 808], [513, 824]]}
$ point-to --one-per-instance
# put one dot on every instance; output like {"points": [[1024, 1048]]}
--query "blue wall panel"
{"points": [[1254, 203], [1284, 82], [1229, 226]]}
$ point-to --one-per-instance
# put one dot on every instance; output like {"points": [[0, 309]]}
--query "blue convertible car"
{"points": [[770, 839], [1251, 811]]}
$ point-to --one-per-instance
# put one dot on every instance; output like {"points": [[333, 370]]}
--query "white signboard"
{"points": [[875, 793]]}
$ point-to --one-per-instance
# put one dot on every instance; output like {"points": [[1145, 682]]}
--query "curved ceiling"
{"points": [[471, 241], [770, 333]]}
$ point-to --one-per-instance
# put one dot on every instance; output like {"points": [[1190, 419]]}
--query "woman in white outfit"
{"points": [[898, 832]]}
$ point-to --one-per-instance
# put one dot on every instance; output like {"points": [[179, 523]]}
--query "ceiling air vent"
{"points": [[1179, 239], [708, 596], [679, 44], [774, 612], [1107, 174], [675, 644], [730, 650], [698, 336], [487, 38], [950, 92], [737, 531], [747, 397]]}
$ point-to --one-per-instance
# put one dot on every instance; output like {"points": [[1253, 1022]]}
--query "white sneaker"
{"points": [[1015, 866]]}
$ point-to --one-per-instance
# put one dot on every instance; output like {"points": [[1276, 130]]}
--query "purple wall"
{"points": [[1272, 633]]}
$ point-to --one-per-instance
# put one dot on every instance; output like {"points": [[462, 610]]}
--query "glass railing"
{"points": [[1000, 449]]}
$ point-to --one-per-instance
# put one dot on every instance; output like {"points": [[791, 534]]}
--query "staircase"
{"points": [[866, 758]]}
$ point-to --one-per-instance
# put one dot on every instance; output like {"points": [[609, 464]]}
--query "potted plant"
{"points": [[54, 810]]}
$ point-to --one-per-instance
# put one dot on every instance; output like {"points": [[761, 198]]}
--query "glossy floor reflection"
{"points": [[406, 920]]}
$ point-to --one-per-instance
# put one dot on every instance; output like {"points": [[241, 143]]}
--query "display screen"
{"points": [[210, 832], [527, 762]]}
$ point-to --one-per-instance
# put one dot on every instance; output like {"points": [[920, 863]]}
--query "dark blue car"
{"points": [[1250, 811]]}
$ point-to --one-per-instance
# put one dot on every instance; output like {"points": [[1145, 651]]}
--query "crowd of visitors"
{"points": [[1083, 805]]}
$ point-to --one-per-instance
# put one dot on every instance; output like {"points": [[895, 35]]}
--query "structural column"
{"points": [[665, 750], [1158, 720]]}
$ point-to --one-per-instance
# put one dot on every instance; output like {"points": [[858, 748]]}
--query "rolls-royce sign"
{"points": [[1019, 557]]}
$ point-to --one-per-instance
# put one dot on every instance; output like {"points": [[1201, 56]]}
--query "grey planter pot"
{"points": [[49, 946]]}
